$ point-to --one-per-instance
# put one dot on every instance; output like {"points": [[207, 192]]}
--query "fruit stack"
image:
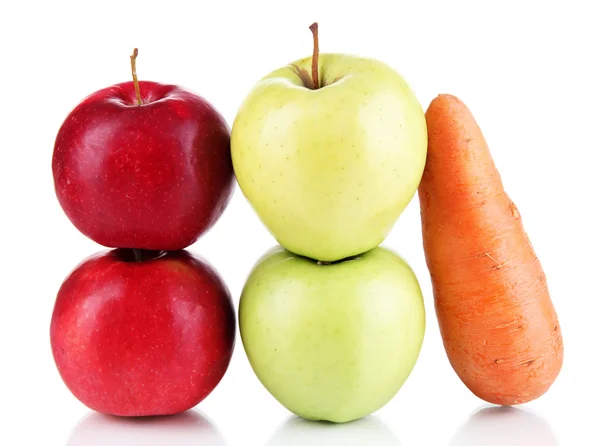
{"points": [[147, 328], [329, 151]]}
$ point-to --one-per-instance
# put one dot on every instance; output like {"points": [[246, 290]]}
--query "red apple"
{"points": [[152, 176], [139, 333]]}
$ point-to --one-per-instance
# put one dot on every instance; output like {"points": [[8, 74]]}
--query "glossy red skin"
{"points": [[142, 338], [155, 176]]}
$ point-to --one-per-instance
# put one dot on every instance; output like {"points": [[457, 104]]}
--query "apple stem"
{"points": [[137, 254], [315, 57], [136, 84], [323, 262]]}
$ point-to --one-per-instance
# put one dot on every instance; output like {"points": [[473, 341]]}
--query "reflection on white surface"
{"points": [[186, 429], [366, 431], [504, 426]]}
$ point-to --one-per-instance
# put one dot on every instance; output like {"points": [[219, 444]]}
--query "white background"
{"points": [[528, 70]]}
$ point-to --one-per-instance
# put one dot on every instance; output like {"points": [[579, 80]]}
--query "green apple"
{"points": [[329, 170], [332, 342]]}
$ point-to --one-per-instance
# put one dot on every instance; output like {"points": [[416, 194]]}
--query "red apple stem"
{"points": [[315, 57], [137, 254], [136, 84]]}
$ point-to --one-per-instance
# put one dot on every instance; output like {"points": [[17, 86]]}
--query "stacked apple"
{"points": [[329, 151], [145, 329]]}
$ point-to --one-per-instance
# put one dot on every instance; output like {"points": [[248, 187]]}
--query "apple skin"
{"points": [[155, 176], [329, 171], [142, 338], [332, 342]]}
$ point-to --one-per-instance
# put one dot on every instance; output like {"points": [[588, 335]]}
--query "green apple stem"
{"points": [[322, 262], [137, 254], [315, 57], [136, 84]]}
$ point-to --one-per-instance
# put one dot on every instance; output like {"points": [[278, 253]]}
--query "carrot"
{"points": [[498, 324]]}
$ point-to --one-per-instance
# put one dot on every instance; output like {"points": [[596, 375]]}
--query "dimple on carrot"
{"points": [[498, 323]]}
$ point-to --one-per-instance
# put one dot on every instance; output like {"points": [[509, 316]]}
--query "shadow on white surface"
{"points": [[186, 429], [366, 431], [504, 426]]}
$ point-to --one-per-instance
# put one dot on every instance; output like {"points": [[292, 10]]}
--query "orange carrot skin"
{"points": [[498, 323]]}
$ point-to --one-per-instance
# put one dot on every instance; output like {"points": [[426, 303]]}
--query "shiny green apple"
{"points": [[329, 170], [332, 342]]}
